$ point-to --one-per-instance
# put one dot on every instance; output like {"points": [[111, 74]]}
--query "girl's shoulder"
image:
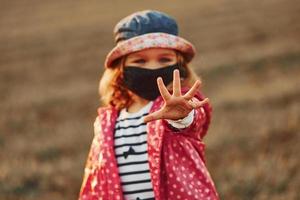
{"points": [[105, 116]]}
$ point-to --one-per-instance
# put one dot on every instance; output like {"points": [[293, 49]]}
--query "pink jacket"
{"points": [[176, 159]]}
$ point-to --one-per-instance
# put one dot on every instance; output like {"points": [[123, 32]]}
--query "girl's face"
{"points": [[152, 58]]}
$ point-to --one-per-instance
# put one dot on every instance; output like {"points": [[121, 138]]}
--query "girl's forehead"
{"points": [[153, 52]]}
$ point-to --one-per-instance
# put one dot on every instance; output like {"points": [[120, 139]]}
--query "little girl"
{"points": [[148, 137]]}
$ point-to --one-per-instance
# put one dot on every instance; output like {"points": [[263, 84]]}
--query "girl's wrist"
{"points": [[184, 122]]}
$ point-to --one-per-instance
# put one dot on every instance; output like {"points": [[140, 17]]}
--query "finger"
{"points": [[198, 104], [176, 83], [153, 116], [163, 90], [191, 93]]}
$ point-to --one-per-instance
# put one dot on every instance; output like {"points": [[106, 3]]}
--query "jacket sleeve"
{"points": [[85, 186], [202, 117]]}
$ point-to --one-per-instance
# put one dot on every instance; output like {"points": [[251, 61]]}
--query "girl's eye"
{"points": [[139, 61], [165, 59]]}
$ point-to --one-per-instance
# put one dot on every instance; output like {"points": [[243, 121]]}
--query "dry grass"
{"points": [[51, 61]]}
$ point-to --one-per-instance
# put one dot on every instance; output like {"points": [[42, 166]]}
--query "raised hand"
{"points": [[176, 106]]}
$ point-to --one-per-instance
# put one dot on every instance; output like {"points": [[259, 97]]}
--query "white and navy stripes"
{"points": [[130, 143]]}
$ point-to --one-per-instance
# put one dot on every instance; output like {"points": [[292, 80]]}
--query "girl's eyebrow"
{"points": [[136, 56], [166, 54]]}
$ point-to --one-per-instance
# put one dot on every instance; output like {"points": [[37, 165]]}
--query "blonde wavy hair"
{"points": [[113, 92]]}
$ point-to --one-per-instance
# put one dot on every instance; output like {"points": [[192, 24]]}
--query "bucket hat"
{"points": [[147, 29]]}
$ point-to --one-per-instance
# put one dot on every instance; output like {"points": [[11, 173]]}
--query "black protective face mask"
{"points": [[142, 81]]}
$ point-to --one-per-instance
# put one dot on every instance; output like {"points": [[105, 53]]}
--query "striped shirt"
{"points": [[130, 144]]}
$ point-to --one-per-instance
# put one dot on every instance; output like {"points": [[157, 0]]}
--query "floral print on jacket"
{"points": [[176, 159]]}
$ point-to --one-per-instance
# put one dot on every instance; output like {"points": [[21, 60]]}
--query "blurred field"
{"points": [[51, 56]]}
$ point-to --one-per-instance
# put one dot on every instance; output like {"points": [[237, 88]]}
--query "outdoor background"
{"points": [[51, 60]]}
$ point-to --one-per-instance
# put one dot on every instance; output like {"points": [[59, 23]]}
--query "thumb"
{"points": [[153, 116]]}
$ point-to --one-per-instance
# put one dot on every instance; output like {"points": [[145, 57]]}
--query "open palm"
{"points": [[176, 106]]}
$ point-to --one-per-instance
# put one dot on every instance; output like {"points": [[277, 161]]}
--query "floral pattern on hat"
{"points": [[151, 40]]}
